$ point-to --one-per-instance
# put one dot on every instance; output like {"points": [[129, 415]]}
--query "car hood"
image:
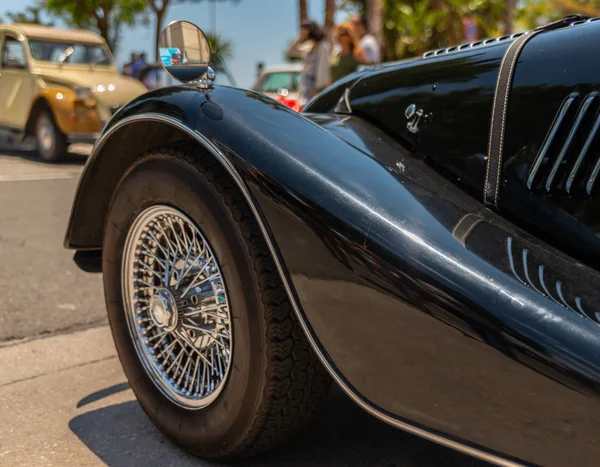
{"points": [[108, 86]]}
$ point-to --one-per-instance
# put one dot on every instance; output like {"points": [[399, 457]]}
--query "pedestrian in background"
{"points": [[350, 53], [260, 66], [368, 43], [128, 67], [138, 65], [312, 45]]}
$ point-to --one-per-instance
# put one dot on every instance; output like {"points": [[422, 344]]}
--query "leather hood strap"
{"points": [[501, 96]]}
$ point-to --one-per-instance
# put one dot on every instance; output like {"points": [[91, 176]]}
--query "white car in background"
{"points": [[281, 83]]}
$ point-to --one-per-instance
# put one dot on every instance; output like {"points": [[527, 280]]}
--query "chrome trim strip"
{"points": [[582, 113], [556, 124], [358, 399], [541, 269], [465, 226], [526, 269], [511, 261], [582, 155], [347, 100]]}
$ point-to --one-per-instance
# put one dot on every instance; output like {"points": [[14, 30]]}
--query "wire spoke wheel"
{"points": [[177, 307]]}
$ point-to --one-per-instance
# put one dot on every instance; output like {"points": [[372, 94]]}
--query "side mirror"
{"points": [[185, 54]]}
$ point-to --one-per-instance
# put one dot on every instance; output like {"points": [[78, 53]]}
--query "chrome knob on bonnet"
{"points": [[185, 54]]}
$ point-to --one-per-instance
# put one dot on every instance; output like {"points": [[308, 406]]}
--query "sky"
{"points": [[259, 30]]}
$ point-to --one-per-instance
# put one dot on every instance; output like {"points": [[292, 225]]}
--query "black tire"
{"points": [[276, 382], [51, 142]]}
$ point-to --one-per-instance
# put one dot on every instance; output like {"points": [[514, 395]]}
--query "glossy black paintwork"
{"points": [[437, 328], [455, 93]]}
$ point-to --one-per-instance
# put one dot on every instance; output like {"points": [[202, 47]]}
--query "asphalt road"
{"points": [[42, 292], [42, 289]]}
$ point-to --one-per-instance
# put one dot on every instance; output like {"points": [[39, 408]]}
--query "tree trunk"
{"points": [[329, 14], [509, 16], [303, 12], [160, 16], [374, 12], [103, 29]]}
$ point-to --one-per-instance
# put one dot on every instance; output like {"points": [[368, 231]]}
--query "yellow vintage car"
{"points": [[60, 86]]}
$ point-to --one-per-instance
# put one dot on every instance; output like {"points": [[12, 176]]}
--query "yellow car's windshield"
{"points": [[73, 53]]}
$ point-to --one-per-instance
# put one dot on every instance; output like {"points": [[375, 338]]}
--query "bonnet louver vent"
{"points": [[470, 45], [569, 155], [478, 44]]}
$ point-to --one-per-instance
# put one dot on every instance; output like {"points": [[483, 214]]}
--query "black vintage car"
{"points": [[426, 234]]}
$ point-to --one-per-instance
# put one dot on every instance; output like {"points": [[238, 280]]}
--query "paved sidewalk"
{"points": [[64, 401]]}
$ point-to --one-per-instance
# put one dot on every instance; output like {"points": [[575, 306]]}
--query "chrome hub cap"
{"points": [[163, 310], [177, 307], [45, 133]]}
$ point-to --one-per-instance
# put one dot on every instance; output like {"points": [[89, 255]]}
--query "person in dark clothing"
{"points": [[138, 65], [128, 67]]}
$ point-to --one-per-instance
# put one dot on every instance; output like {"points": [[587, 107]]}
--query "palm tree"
{"points": [[221, 50], [419, 25], [159, 8]]}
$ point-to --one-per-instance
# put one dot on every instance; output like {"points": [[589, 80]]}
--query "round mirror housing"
{"points": [[185, 53]]}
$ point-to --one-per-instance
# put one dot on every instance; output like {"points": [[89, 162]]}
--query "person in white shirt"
{"points": [[312, 45], [368, 43]]}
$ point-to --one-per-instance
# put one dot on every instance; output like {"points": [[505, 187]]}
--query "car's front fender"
{"points": [[431, 312]]}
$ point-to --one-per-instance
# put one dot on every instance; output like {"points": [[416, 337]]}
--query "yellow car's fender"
{"points": [[70, 114]]}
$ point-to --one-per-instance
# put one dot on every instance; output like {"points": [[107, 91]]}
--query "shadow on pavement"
{"points": [[10, 145], [342, 435], [96, 396], [31, 155]]}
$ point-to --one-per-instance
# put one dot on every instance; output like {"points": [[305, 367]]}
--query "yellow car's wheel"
{"points": [[51, 143]]}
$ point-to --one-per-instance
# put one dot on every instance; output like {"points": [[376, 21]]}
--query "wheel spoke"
{"points": [[149, 270], [167, 349], [165, 252], [193, 378], [170, 245], [194, 284], [173, 268], [175, 234], [183, 273], [151, 254], [197, 328], [179, 355], [146, 284], [182, 226], [206, 311]]}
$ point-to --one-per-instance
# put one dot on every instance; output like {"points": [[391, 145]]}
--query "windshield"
{"points": [[85, 54], [274, 81]]}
